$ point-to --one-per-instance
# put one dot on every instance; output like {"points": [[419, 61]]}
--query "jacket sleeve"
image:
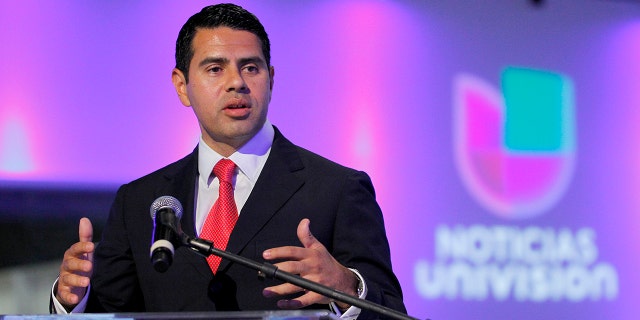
{"points": [[360, 242]]}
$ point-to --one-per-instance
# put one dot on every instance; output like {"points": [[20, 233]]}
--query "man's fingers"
{"points": [[85, 233], [79, 250], [85, 230], [297, 303], [70, 296], [306, 299], [302, 301], [77, 265], [296, 253], [294, 267], [71, 288], [280, 290], [304, 234], [70, 280], [288, 252]]}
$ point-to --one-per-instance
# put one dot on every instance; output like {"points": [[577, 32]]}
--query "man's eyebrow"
{"points": [[224, 61], [255, 59], [214, 60]]}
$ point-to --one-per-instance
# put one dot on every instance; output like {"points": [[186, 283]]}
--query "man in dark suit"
{"points": [[307, 215]]}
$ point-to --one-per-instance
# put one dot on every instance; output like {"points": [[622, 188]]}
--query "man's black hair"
{"points": [[219, 15]]}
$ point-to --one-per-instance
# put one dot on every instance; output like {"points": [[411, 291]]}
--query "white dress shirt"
{"points": [[249, 159]]}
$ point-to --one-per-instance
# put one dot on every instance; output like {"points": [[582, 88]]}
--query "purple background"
{"points": [[86, 99]]}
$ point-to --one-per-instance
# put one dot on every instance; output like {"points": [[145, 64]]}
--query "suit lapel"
{"points": [[181, 185], [277, 182]]}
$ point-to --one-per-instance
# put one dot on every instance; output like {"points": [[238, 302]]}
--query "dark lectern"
{"points": [[242, 315]]}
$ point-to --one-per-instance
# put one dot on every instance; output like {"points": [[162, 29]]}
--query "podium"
{"points": [[238, 315]]}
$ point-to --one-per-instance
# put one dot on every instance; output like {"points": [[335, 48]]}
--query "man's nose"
{"points": [[235, 81]]}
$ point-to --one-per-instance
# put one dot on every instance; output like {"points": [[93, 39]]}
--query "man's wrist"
{"points": [[349, 311]]}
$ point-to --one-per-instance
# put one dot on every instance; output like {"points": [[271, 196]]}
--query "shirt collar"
{"points": [[249, 158]]}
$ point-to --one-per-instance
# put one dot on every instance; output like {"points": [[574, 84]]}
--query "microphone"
{"points": [[166, 212]]}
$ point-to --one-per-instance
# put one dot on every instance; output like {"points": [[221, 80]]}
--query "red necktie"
{"points": [[224, 214]]}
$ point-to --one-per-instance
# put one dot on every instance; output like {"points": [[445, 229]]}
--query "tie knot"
{"points": [[224, 170]]}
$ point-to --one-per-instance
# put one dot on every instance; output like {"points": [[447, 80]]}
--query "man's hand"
{"points": [[76, 268], [312, 262]]}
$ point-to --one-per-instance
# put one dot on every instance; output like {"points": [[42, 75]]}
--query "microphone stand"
{"points": [[267, 270]]}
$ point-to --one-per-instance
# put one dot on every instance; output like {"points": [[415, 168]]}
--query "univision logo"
{"points": [[515, 149]]}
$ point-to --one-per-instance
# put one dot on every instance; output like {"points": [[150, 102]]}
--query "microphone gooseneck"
{"points": [[166, 212]]}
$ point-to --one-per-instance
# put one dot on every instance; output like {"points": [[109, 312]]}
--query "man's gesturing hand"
{"points": [[76, 267], [312, 262]]}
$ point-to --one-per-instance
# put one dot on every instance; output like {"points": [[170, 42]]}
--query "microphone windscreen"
{"points": [[166, 202]]}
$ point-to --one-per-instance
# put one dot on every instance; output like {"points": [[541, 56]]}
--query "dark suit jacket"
{"points": [[294, 184]]}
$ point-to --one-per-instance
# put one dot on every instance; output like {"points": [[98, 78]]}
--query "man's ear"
{"points": [[180, 83], [272, 73]]}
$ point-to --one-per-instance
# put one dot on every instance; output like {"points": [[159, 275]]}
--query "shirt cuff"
{"points": [[59, 309], [353, 312]]}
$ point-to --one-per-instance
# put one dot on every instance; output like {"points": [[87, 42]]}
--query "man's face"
{"points": [[229, 87]]}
